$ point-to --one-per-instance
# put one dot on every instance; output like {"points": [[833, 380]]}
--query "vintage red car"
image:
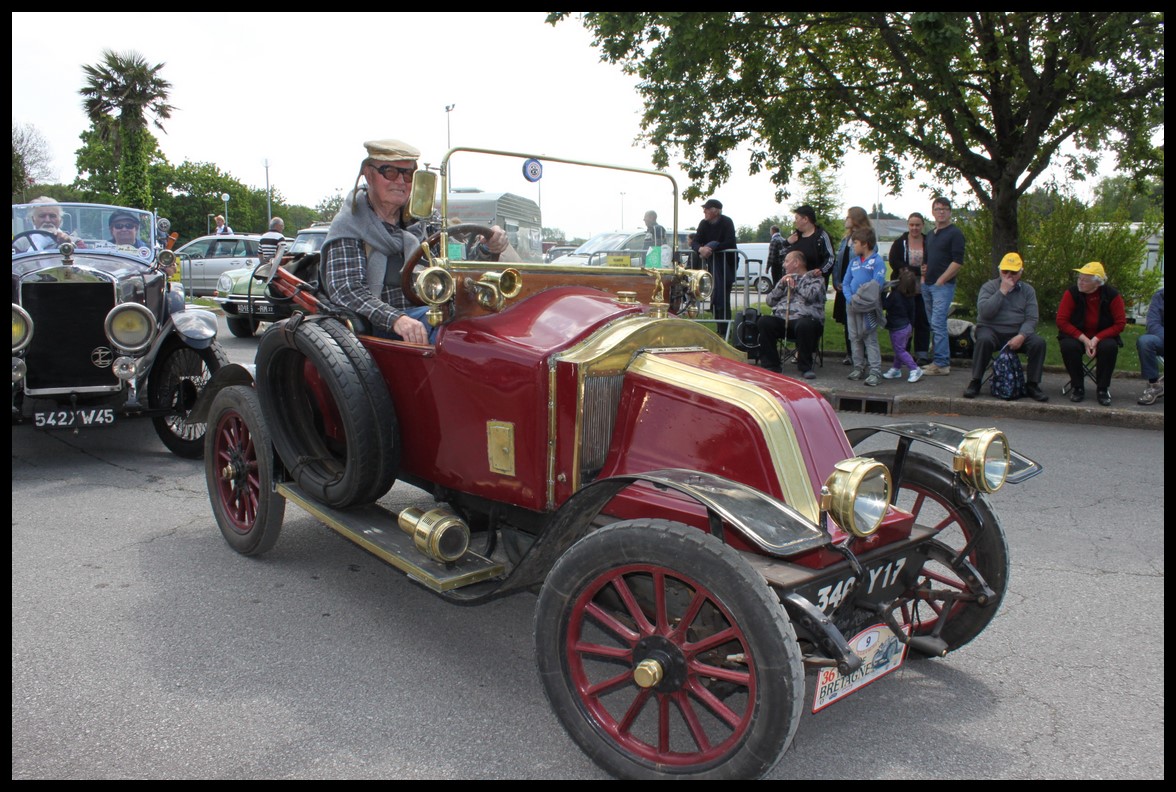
{"points": [[702, 535]]}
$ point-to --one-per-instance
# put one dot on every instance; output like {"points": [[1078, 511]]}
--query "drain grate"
{"points": [[864, 404]]}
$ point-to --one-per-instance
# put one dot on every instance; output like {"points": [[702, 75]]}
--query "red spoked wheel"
{"points": [[239, 472], [666, 656], [943, 592]]}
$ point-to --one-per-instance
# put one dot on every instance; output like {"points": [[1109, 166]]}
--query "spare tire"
{"points": [[330, 416]]}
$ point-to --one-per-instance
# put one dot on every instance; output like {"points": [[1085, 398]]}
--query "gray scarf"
{"points": [[385, 245]]}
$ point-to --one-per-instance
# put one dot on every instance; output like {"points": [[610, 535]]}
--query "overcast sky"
{"points": [[335, 80]]}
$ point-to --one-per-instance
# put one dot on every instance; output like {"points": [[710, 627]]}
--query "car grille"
{"points": [[68, 332], [602, 396]]}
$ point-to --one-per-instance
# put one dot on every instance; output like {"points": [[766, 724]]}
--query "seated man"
{"points": [[1091, 317], [798, 312], [1006, 313], [46, 216], [370, 239], [1151, 346], [124, 230]]}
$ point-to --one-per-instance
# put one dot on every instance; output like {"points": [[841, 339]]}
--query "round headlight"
{"points": [[983, 459], [702, 284], [130, 327], [435, 285], [22, 328], [165, 258], [859, 492], [224, 285]]}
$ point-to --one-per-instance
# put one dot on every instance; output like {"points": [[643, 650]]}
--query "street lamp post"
{"points": [[622, 211], [269, 212], [225, 198]]}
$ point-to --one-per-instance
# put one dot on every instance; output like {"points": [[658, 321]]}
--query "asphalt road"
{"points": [[144, 648]]}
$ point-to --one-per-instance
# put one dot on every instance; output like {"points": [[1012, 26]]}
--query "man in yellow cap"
{"points": [[371, 237], [1006, 314], [1091, 317]]}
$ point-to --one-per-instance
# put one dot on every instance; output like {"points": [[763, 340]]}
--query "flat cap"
{"points": [[391, 150], [713, 204]]}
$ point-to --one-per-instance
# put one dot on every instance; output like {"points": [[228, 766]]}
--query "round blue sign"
{"points": [[532, 170]]}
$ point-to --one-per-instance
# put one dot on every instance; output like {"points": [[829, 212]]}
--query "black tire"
{"points": [[242, 326], [763, 285], [328, 418], [177, 378], [927, 492], [239, 471], [598, 617]]}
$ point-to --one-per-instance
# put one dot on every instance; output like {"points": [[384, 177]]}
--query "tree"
{"points": [[119, 95], [329, 207], [31, 151], [992, 98]]}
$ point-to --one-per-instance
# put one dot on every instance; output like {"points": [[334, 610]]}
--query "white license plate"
{"points": [[881, 653], [260, 308], [70, 419]]}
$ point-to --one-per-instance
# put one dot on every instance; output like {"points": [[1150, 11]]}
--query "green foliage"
{"points": [[20, 174], [988, 97], [1054, 245]]}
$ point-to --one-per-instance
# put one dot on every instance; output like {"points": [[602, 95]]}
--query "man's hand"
{"points": [[1016, 341], [411, 330], [1092, 346], [1007, 282], [705, 252], [497, 241]]}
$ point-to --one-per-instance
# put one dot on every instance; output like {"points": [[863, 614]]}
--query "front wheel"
{"points": [[177, 378], [926, 491], [665, 655], [239, 471]]}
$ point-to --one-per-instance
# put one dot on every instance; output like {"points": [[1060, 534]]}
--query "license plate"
{"points": [[881, 652], [70, 419], [260, 308]]}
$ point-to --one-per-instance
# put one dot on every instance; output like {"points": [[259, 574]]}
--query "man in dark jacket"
{"points": [[1151, 346], [715, 244]]}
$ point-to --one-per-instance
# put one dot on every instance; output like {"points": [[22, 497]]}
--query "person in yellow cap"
{"points": [[371, 237], [1091, 316], [1006, 314]]}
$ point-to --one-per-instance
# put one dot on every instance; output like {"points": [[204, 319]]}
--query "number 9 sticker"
{"points": [[532, 170]]}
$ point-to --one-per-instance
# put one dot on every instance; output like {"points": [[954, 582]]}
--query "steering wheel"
{"points": [[29, 234], [406, 272]]}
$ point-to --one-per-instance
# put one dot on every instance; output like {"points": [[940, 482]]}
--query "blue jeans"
{"points": [[937, 300], [1149, 347], [416, 312]]}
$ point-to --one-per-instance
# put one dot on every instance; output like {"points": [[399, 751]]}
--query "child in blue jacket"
{"points": [[864, 314]]}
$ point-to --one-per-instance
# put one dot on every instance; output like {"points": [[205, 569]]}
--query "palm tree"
{"points": [[119, 95]]}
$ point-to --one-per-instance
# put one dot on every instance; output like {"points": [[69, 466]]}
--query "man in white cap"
{"points": [[371, 237], [1006, 313]]}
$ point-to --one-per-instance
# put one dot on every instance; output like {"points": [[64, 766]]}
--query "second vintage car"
{"points": [[98, 332], [246, 300]]}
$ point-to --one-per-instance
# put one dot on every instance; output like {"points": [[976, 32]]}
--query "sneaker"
{"points": [[1153, 391], [873, 379], [916, 375], [856, 374], [810, 374], [973, 389], [893, 373], [932, 370]]}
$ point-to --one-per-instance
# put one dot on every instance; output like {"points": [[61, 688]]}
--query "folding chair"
{"points": [[1090, 369], [788, 352]]}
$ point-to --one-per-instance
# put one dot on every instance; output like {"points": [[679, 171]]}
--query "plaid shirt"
{"points": [[345, 274]]}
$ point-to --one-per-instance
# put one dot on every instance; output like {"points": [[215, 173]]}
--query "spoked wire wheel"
{"points": [[665, 656], [926, 490]]}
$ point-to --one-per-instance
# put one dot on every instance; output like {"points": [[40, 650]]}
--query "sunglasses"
{"points": [[125, 226], [390, 172]]}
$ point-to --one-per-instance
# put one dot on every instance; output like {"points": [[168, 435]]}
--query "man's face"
{"points": [[124, 231], [1011, 277], [941, 213], [802, 222], [792, 265], [650, 220], [47, 218], [710, 214], [389, 184]]}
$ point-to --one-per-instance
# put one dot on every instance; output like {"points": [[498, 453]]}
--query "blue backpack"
{"points": [[1008, 378]]}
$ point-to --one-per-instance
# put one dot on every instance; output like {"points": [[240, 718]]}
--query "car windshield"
{"points": [[596, 211], [307, 242], [94, 228]]}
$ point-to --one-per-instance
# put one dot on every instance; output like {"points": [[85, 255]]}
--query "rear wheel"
{"points": [[926, 490], [665, 655], [242, 326], [177, 378], [239, 472]]}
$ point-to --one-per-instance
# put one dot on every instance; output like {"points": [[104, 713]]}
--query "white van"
{"points": [[754, 261]]}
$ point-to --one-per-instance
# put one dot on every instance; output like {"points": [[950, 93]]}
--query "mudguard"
{"points": [[196, 326]]}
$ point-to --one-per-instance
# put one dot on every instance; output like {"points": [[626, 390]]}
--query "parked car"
{"points": [[98, 332], [245, 299], [613, 248], [557, 251], [205, 259], [702, 533]]}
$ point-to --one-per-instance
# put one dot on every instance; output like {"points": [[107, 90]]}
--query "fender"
{"points": [[944, 437], [225, 376], [196, 326], [773, 526]]}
